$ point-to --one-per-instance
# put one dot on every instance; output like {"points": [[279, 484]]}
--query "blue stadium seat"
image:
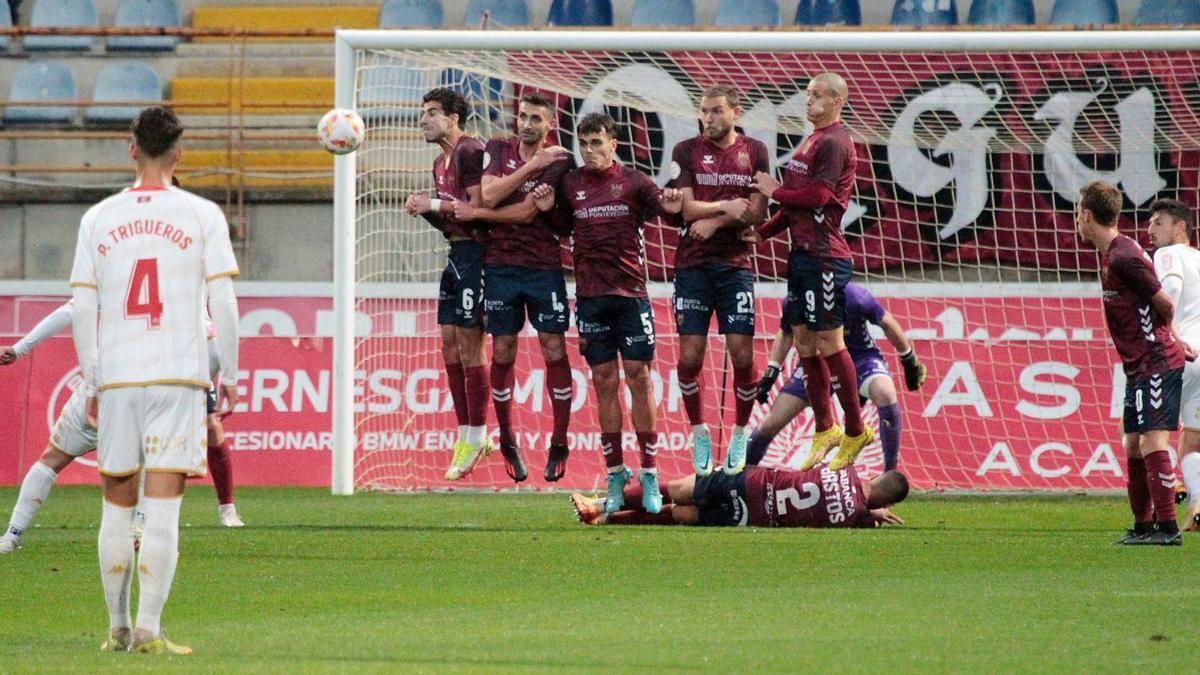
{"points": [[746, 13], [664, 13], [1085, 13], [828, 13], [145, 14], [41, 81], [502, 12], [62, 14], [411, 14], [5, 22], [485, 94], [1001, 12], [925, 13], [1171, 12], [391, 93], [581, 13], [134, 82]]}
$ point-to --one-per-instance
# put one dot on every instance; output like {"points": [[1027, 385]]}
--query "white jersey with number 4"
{"points": [[149, 253], [1183, 261]]}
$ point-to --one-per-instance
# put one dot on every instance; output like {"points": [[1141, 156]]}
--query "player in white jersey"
{"points": [[1177, 265], [72, 437], [145, 260]]}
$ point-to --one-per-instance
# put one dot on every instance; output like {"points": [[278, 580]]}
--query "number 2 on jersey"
{"points": [[142, 298]]}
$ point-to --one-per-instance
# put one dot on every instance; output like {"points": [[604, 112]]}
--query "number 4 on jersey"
{"points": [[142, 298]]}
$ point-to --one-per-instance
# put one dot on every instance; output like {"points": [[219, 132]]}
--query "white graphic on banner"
{"points": [[967, 148], [1136, 171]]}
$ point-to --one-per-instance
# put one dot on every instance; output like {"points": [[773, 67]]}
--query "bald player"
{"points": [[814, 195]]}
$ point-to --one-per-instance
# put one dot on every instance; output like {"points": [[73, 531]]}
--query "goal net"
{"points": [[972, 149]]}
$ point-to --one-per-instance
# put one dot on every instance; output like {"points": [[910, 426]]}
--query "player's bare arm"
{"points": [[8, 355], [496, 189], [521, 213]]}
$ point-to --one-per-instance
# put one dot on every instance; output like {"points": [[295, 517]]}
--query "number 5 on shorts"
{"points": [[142, 297], [648, 327]]}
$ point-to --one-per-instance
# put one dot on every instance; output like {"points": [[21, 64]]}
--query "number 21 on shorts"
{"points": [[142, 299]]}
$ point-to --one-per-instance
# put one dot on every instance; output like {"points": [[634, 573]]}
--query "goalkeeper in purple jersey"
{"points": [[874, 379]]}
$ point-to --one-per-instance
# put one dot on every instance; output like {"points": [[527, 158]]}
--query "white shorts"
{"points": [[161, 427], [1189, 398], [71, 433]]}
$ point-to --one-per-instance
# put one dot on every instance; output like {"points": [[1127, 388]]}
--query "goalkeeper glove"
{"points": [[914, 370], [767, 382]]}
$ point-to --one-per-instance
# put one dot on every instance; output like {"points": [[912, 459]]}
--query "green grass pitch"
{"points": [[470, 583]]}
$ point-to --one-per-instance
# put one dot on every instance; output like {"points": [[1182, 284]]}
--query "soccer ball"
{"points": [[341, 131]]}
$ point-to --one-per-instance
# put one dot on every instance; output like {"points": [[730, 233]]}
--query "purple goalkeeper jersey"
{"points": [[814, 498], [608, 210], [1143, 340], [535, 245], [862, 309], [452, 177], [717, 174]]}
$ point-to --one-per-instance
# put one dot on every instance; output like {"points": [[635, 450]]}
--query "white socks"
{"points": [[462, 432], [700, 430], [1189, 466], [116, 562], [34, 490], [156, 562], [475, 435]]}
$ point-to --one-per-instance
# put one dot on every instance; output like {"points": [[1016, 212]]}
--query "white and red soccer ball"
{"points": [[341, 131]]}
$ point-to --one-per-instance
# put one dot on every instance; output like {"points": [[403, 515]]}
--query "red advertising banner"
{"points": [[962, 158], [1023, 393]]}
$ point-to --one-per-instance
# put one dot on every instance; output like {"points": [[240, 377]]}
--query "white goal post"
{"points": [[975, 139]]}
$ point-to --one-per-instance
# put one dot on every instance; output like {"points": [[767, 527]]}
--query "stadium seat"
{"points": [[664, 13], [283, 18], [145, 14], [265, 168], [411, 14], [489, 97], [1169, 12], [135, 82], [925, 13], [62, 14], [501, 12], [1085, 13], [259, 95], [581, 13], [1001, 12], [391, 93], [5, 22], [42, 81], [828, 13], [746, 13]]}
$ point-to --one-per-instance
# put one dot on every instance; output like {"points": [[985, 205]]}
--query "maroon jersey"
{"points": [[463, 170], [814, 498], [827, 156], [716, 174], [608, 210], [1143, 340], [535, 245]]}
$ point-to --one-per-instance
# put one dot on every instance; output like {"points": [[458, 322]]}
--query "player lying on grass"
{"points": [[874, 379], [761, 497], [72, 437]]}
